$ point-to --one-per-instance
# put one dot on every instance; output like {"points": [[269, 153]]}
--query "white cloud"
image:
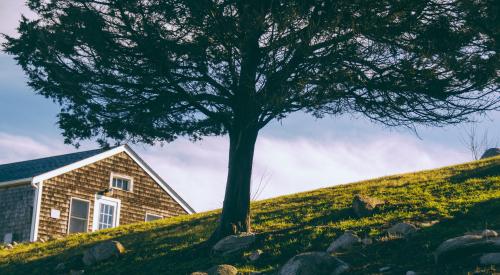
{"points": [[197, 171]]}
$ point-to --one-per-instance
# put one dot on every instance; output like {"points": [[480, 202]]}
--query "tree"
{"points": [[476, 141], [151, 71]]}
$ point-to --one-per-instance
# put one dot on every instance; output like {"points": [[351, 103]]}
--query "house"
{"points": [[81, 192]]}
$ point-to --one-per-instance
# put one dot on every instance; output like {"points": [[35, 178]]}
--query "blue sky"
{"points": [[297, 154]]}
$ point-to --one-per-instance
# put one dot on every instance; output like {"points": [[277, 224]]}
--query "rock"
{"points": [[223, 270], [255, 255], [492, 152], [15, 243], [60, 266], [384, 269], [428, 224], [317, 263], [487, 233], [402, 229], [344, 242], [490, 259], [102, 251], [364, 206], [9, 246], [465, 246], [233, 243], [411, 272], [76, 272], [199, 273]]}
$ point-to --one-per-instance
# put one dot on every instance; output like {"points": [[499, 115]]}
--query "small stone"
{"points": [[199, 273], [15, 243], [233, 243], [9, 246], [76, 272], [490, 259], [102, 251], [411, 272], [402, 229], [317, 263], [344, 242], [489, 233], [428, 224], [364, 206], [223, 270], [255, 255], [60, 266], [384, 269]]}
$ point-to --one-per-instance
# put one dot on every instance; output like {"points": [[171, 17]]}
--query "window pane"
{"points": [[106, 216], [79, 209], [150, 217], [78, 216], [77, 225], [121, 183]]}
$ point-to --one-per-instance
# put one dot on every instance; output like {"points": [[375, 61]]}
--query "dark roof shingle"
{"points": [[35, 167]]}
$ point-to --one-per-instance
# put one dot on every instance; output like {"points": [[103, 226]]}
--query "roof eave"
{"points": [[16, 182]]}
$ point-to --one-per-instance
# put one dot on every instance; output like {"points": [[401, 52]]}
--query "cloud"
{"points": [[197, 171]]}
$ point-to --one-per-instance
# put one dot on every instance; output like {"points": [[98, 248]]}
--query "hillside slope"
{"points": [[463, 198]]}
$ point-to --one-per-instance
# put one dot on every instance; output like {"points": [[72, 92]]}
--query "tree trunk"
{"points": [[235, 216]]}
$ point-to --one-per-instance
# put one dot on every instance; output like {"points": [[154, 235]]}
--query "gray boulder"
{"points": [[102, 251], [223, 270], [344, 242], [233, 243], [488, 233], [317, 263], [465, 246], [490, 259], [492, 152], [402, 229], [364, 206]]}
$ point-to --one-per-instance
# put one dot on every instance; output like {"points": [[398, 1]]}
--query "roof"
{"points": [[38, 170], [31, 168]]}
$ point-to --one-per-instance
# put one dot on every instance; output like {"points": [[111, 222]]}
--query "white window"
{"points": [[78, 215], [121, 182], [152, 217], [106, 213]]}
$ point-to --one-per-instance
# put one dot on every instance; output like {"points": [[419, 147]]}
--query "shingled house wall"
{"points": [[16, 208], [85, 182]]}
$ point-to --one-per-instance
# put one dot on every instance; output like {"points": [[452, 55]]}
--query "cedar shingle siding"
{"points": [[16, 206], [85, 182]]}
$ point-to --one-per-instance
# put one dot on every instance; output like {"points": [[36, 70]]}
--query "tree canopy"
{"points": [[154, 70]]}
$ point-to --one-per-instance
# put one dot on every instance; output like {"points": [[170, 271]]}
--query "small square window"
{"points": [[121, 182], [152, 217]]}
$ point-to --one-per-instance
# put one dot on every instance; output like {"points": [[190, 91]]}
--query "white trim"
{"points": [[16, 182], [123, 148], [78, 164], [158, 180], [95, 218], [121, 176], [69, 213], [151, 214], [35, 219]]}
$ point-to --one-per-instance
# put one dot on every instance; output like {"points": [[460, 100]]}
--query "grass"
{"points": [[462, 198]]}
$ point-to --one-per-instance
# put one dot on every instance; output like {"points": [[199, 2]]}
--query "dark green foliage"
{"points": [[150, 71]]}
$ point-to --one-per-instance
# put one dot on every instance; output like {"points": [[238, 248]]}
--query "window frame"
{"points": [[69, 214], [151, 214], [95, 218], [121, 176]]}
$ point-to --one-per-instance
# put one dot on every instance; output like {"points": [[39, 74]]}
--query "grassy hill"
{"points": [[462, 198]]}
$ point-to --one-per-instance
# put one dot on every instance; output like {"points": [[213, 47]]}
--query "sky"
{"points": [[296, 154]]}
